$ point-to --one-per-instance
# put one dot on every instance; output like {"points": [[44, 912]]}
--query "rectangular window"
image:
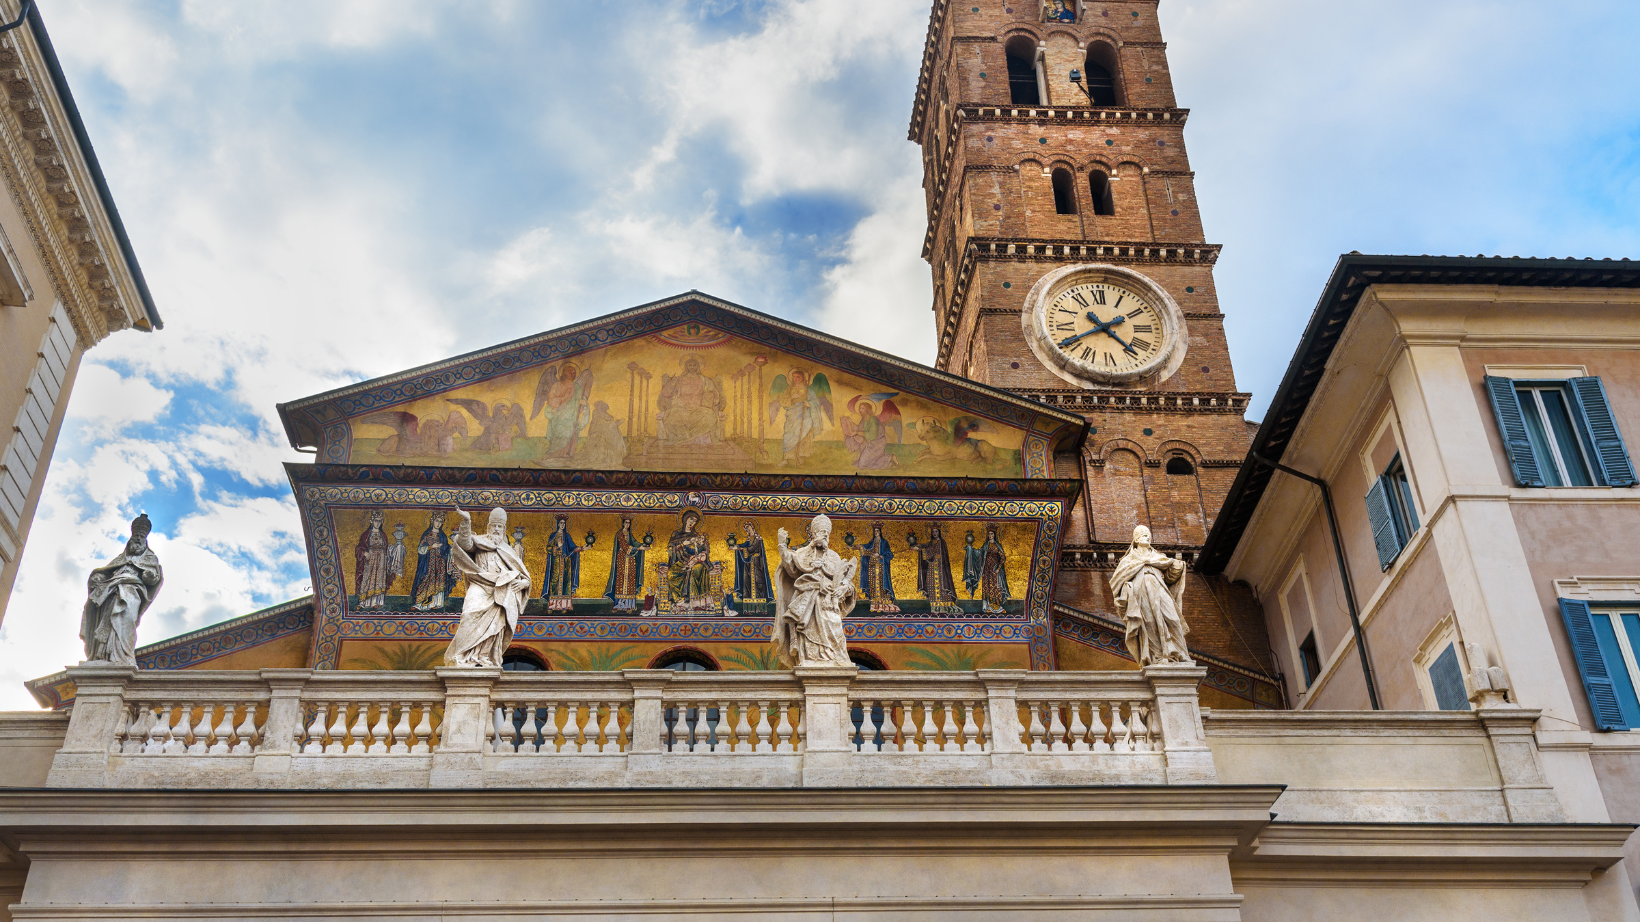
{"points": [[1446, 677], [1560, 433], [1390, 511], [1311, 659], [1604, 641]]}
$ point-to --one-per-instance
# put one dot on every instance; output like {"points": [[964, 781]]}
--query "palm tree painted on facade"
{"points": [[937, 659], [760, 659], [404, 657], [596, 659]]}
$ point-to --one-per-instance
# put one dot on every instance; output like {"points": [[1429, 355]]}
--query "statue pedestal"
{"points": [[99, 712], [1179, 716], [826, 718]]}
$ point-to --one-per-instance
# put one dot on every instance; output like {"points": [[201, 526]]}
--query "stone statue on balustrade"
{"points": [[1148, 587], [814, 591], [497, 585], [116, 596]]}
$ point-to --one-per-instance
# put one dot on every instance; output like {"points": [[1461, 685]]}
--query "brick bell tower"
{"points": [[1070, 265]]}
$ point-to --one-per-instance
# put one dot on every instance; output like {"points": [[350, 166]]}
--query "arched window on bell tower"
{"points": [[1022, 82], [1099, 188], [1064, 192], [1100, 73]]}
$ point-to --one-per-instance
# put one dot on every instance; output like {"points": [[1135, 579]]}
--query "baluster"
{"points": [[572, 726], [725, 730], [610, 727], [1079, 730], [948, 728], [200, 733], [360, 730], [908, 735], [1098, 731], [158, 729], [549, 730], [694, 718], [530, 730], [510, 735], [338, 730], [249, 736], [177, 733], [970, 729], [622, 743], [424, 731], [401, 731], [930, 735], [223, 732], [1137, 730], [785, 738], [594, 727], [1119, 739], [121, 728], [316, 730], [891, 727], [138, 733], [379, 730], [799, 736], [1038, 733], [877, 719], [743, 726], [1056, 728], [764, 731]]}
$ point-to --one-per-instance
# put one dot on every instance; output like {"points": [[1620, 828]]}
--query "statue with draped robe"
{"points": [[116, 596], [1148, 587], [814, 591], [497, 585]]}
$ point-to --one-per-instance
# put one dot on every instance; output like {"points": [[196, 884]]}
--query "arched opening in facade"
{"points": [[1099, 187], [866, 660], [685, 659], [1064, 192], [688, 728], [1179, 465], [523, 659], [1023, 89], [1099, 70]]}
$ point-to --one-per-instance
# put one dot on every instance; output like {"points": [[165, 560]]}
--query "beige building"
{"points": [[1468, 417], [68, 276]]}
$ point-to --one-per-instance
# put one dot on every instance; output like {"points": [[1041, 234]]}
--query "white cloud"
{"points": [[109, 401], [881, 295]]}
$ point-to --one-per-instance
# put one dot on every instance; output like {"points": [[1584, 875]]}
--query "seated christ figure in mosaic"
{"points": [[814, 591], [1148, 587], [497, 585]]}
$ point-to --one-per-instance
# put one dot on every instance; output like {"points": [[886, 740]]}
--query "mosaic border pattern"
{"points": [[327, 416], [333, 620]]}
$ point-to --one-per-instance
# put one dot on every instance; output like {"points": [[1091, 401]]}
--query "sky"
{"points": [[324, 191]]}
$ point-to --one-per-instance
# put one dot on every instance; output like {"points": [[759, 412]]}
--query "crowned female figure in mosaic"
{"points": [[561, 573], [993, 575], [434, 578], [1148, 587], [688, 573], [370, 569], [625, 569], [934, 573], [876, 571], [752, 589], [814, 591], [116, 596], [497, 585]]}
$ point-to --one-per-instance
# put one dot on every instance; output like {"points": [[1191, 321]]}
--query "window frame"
{"points": [[1599, 437], [1441, 637], [1556, 460], [1309, 650], [1392, 512]]}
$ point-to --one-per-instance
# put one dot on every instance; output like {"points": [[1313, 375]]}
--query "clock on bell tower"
{"points": [[1068, 255]]}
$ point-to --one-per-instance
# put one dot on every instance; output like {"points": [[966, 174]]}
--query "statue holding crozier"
{"points": [[814, 591], [1148, 587], [116, 597], [497, 585]]}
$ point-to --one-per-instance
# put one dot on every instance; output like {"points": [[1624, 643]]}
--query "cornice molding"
{"points": [[53, 188]]}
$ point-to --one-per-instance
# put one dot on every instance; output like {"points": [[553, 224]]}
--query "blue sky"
{"points": [[322, 191]]}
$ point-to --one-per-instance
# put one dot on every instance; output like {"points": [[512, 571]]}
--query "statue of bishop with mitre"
{"points": [[814, 591], [498, 583], [116, 596], [1148, 587]]}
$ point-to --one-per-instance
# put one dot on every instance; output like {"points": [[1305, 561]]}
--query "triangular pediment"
{"points": [[691, 383]]}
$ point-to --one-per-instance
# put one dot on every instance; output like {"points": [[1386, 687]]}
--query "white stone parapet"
{"points": [[819, 726]]}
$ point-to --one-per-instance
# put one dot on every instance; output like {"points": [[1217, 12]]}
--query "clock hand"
{"points": [[1105, 328], [1068, 340]]}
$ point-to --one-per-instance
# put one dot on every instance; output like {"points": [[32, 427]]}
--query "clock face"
{"points": [[1104, 325], [1108, 328]]}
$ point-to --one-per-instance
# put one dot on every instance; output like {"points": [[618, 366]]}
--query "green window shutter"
{"points": [[1383, 523], [1597, 681], [1611, 456], [1446, 677], [1512, 426]]}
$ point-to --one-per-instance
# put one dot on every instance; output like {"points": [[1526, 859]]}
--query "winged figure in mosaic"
{"points": [[866, 436], [412, 436], [806, 401], [499, 423], [563, 391]]}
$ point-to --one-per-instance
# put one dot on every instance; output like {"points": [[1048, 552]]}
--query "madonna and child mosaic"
{"points": [[691, 398], [688, 563]]}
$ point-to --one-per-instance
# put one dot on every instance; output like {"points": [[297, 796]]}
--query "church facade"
{"points": [[1000, 747]]}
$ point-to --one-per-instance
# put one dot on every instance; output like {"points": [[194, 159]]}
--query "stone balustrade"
{"points": [[817, 726]]}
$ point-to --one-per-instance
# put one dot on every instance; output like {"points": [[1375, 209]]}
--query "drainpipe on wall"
{"points": [[1343, 573]]}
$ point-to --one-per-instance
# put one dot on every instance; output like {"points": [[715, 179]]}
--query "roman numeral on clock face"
{"points": [[1086, 351], [1141, 344], [1110, 360], [1099, 297], [1066, 326], [1077, 297], [1142, 328]]}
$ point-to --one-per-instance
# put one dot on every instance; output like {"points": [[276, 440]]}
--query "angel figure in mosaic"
{"points": [[561, 571], [934, 572], [415, 436], [867, 438], [371, 572], [807, 405], [497, 585], [876, 572], [434, 575], [499, 423], [814, 592], [626, 568], [1148, 587], [993, 574], [563, 390]]}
